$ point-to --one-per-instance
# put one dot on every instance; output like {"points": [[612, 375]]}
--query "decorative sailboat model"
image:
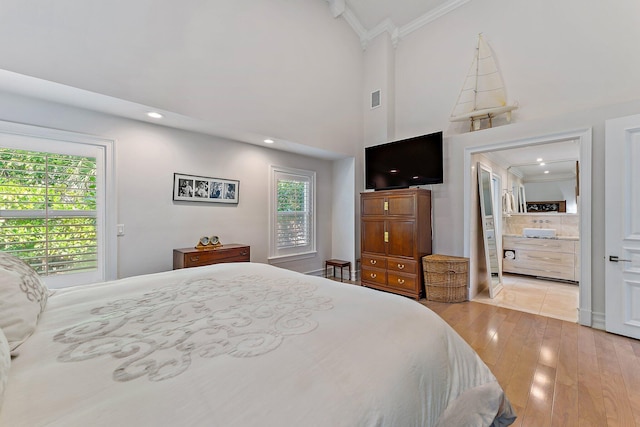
{"points": [[483, 95]]}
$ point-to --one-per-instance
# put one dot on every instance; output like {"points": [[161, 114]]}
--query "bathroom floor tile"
{"points": [[531, 295]]}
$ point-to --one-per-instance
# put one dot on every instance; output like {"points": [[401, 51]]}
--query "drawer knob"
{"points": [[195, 258], [401, 281], [373, 261], [374, 275], [401, 266]]}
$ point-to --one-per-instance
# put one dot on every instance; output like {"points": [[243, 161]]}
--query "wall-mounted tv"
{"points": [[405, 163]]}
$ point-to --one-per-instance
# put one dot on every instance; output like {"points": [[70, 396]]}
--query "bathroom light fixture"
{"points": [[268, 141], [154, 115]]}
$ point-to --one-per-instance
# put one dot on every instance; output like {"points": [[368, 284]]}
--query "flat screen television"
{"points": [[405, 163]]}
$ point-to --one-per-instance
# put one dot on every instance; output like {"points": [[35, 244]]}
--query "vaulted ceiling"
{"points": [[370, 18]]}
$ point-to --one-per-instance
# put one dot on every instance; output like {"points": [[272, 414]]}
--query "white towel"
{"points": [[506, 203]]}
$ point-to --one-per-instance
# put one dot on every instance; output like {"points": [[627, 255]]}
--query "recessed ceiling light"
{"points": [[268, 141], [539, 159], [154, 115], [546, 171], [542, 164]]}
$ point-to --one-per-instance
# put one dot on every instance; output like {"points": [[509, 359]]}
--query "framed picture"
{"points": [[192, 188], [541, 207]]}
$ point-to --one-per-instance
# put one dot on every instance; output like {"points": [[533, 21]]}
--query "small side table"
{"points": [[337, 263]]}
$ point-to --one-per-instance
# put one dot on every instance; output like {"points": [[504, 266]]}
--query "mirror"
{"points": [[522, 201], [489, 234]]}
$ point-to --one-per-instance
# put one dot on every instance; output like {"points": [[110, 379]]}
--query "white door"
{"points": [[622, 219]]}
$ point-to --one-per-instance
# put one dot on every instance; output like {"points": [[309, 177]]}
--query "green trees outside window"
{"points": [[293, 213], [48, 210]]}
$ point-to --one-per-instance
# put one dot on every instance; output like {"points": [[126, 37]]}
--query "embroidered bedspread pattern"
{"points": [[239, 344], [159, 333]]}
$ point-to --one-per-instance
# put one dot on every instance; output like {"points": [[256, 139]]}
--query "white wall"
{"points": [[147, 157], [451, 239], [555, 57], [566, 63], [553, 190], [343, 243], [284, 69]]}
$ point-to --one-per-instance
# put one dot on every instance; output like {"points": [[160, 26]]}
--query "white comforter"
{"points": [[245, 345]]}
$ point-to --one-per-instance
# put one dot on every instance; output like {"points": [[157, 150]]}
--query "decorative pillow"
{"points": [[5, 363], [23, 296]]}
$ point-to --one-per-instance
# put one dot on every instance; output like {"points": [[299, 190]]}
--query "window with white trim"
{"points": [[293, 223], [52, 207]]}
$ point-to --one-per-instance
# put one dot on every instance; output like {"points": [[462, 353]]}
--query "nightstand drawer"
{"points": [[190, 257]]}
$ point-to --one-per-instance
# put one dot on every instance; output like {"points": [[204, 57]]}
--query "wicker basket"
{"points": [[445, 277]]}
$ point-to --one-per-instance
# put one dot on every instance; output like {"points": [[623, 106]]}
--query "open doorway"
{"points": [[576, 230]]}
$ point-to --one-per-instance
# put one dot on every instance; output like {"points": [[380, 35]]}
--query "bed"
{"points": [[242, 344]]}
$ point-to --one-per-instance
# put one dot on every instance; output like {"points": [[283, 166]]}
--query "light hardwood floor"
{"points": [[554, 372]]}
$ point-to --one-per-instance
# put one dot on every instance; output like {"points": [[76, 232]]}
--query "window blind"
{"points": [[294, 213], [48, 213]]}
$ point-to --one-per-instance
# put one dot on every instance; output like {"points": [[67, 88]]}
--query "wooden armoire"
{"points": [[395, 235]]}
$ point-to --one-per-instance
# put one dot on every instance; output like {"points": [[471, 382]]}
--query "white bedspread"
{"points": [[244, 345]]}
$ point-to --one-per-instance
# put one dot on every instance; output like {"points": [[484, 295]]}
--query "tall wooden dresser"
{"points": [[395, 235]]}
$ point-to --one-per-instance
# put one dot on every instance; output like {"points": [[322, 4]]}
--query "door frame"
{"points": [[584, 138]]}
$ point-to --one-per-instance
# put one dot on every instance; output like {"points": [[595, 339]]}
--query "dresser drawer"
{"points": [[185, 258], [373, 261], [408, 266], [373, 275], [407, 282]]}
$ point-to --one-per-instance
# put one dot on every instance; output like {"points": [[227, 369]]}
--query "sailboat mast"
{"points": [[475, 89]]}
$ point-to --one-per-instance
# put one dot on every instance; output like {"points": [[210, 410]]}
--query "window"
{"points": [[53, 205], [292, 230]]}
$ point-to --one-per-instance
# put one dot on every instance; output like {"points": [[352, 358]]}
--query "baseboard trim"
{"points": [[598, 320]]}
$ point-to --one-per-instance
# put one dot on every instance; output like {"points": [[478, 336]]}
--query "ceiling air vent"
{"points": [[375, 99]]}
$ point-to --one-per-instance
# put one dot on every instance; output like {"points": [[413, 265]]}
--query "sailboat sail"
{"points": [[483, 94]]}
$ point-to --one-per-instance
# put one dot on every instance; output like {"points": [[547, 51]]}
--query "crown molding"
{"points": [[340, 8], [431, 16], [357, 26], [515, 171], [337, 7]]}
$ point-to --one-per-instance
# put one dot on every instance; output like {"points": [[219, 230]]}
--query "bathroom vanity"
{"points": [[552, 257]]}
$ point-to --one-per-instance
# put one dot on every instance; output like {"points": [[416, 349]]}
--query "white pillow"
{"points": [[23, 296], [5, 363]]}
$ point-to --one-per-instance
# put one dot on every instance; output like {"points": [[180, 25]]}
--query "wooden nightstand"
{"points": [[191, 257]]}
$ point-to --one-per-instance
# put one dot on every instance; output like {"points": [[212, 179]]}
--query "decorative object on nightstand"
{"points": [[208, 243], [194, 257]]}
